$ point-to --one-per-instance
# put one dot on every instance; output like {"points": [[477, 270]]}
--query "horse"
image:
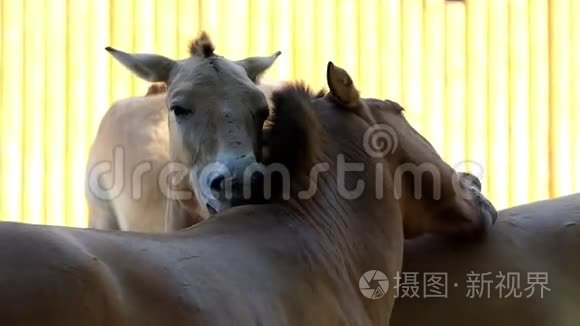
{"points": [[212, 104], [133, 143], [293, 261], [530, 244]]}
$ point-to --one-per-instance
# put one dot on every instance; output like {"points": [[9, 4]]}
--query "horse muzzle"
{"points": [[231, 183]]}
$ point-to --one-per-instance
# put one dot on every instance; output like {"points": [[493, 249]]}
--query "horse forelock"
{"points": [[201, 46]]}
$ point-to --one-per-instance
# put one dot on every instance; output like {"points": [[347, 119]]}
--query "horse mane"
{"points": [[201, 46], [321, 93], [299, 141], [294, 132], [156, 88]]}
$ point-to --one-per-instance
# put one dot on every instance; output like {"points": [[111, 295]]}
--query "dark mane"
{"points": [[293, 131], [395, 106], [300, 140], [156, 88], [321, 93], [201, 46], [384, 105]]}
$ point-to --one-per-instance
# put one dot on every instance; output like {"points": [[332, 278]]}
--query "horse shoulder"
{"points": [[43, 269]]}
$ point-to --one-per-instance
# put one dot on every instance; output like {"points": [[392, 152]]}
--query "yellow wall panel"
{"points": [[3, 171], [347, 23], [11, 115], [235, 17], [433, 77], [539, 103], [210, 16], [98, 68], [560, 97], [369, 49], [165, 31], [325, 43], [144, 20], [282, 39], [411, 63], [188, 20], [96, 94], [575, 47], [390, 41], [495, 82], [497, 166], [33, 114], [121, 37], [304, 55], [455, 82], [259, 22], [56, 110], [519, 77], [78, 84], [477, 102]]}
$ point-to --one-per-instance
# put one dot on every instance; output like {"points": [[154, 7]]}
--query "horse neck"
{"points": [[351, 234]]}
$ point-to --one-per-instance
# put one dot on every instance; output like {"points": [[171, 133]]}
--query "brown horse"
{"points": [[294, 262], [212, 107], [529, 241]]}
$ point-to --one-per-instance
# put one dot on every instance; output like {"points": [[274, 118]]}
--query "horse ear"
{"points": [[256, 66], [151, 67], [341, 85]]}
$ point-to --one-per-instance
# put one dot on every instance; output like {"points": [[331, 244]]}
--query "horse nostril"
{"points": [[471, 179], [210, 209], [217, 184]]}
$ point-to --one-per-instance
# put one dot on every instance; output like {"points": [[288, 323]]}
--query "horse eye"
{"points": [[180, 111]]}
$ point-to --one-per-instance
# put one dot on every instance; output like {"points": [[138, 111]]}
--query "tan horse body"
{"points": [[132, 133], [133, 144], [542, 237]]}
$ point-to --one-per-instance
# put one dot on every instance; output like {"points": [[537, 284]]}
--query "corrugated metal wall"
{"points": [[494, 81]]}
